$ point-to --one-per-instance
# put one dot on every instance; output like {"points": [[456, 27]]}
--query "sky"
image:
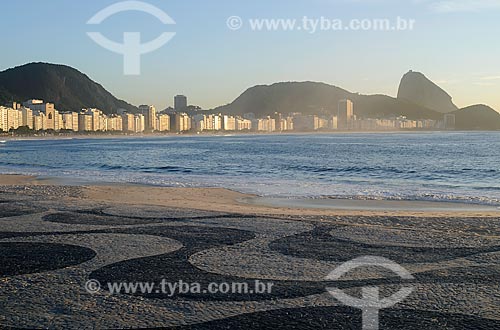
{"points": [[453, 42]]}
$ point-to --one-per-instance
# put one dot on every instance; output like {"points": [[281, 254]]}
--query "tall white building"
{"points": [[51, 114], [96, 115], [229, 123], [69, 121], [39, 121], [450, 121], [267, 124], [149, 113], [345, 114], [140, 123], [13, 119], [114, 123], [85, 122], [243, 124], [128, 121], [3, 119], [180, 122], [199, 123], [27, 117], [334, 123], [163, 123]]}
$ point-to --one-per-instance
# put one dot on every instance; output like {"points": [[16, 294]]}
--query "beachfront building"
{"points": [[229, 123], [309, 123], [243, 124], [320, 123], [198, 123], [114, 123], [218, 122], [386, 124], [27, 117], [334, 125], [163, 123], [128, 121], [96, 115], [366, 125], [213, 122], [394, 123], [345, 115], [149, 113], [267, 124], [3, 119], [287, 124], [428, 123], [59, 122], [85, 122], [278, 117], [404, 123], [283, 123], [13, 119], [51, 114], [449, 121], [139, 123], [39, 121], [180, 122], [69, 122]]}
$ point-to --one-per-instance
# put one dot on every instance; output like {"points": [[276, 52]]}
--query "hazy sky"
{"points": [[455, 43]]}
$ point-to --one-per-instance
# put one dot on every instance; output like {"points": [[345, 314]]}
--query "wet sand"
{"points": [[372, 205], [225, 200]]}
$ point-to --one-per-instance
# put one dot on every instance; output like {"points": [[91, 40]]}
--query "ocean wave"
{"points": [[401, 167], [479, 200]]}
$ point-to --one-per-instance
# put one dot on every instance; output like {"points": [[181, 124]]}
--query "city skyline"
{"points": [[35, 117], [193, 60]]}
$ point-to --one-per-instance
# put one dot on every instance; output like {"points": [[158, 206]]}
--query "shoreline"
{"points": [[228, 133], [371, 205], [226, 200]]}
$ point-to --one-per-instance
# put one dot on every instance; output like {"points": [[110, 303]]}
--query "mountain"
{"points": [[287, 97], [416, 88], [319, 98], [477, 117], [418, 97], [67, 88]]}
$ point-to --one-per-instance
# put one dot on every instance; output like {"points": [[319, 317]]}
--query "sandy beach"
{"points": [[63, 245], [225, 200]]}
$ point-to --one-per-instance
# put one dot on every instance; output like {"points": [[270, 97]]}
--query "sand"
{"points": [[225, 200], [6, 180], [56, 235]]}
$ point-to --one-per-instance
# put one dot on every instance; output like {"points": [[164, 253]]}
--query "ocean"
{"points": [[434, 166]]}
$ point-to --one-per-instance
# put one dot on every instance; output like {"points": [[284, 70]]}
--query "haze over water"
{"points": [[421, 166]]}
